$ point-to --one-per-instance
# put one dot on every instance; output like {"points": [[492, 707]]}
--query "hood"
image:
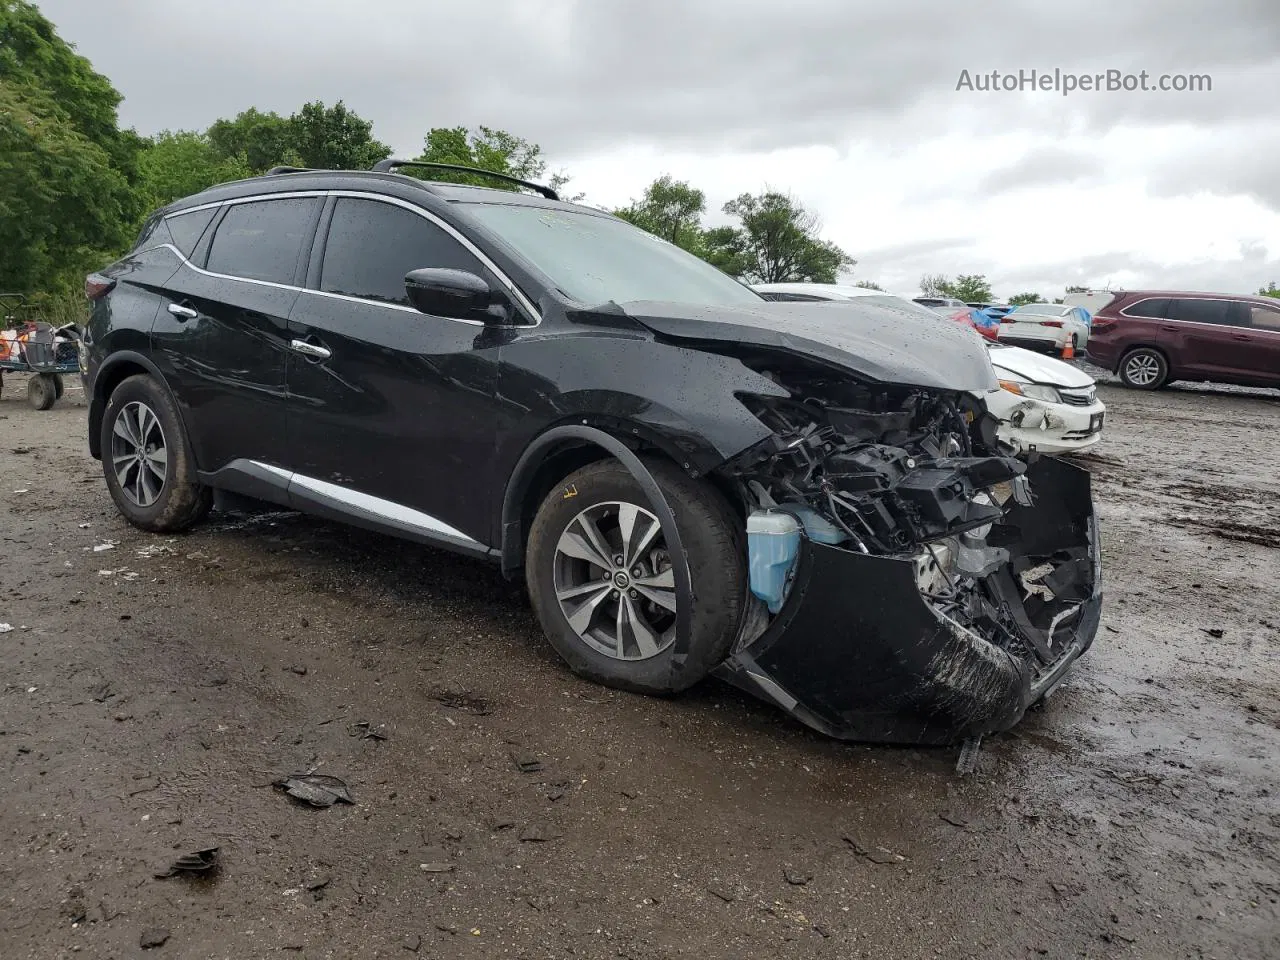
{"points": [[1037, 368], [877, 341]]}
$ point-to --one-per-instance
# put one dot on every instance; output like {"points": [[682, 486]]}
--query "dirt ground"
{"points": [[151, 692]]}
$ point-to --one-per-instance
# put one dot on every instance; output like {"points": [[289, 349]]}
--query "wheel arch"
{"points": [[566, 448], [114, 371]]}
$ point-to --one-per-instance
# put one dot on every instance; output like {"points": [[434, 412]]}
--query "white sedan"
{"points": [[1042, 402], [1046, 326]]}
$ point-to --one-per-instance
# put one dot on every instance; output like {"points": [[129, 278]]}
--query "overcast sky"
{"points": [[852, 106]]}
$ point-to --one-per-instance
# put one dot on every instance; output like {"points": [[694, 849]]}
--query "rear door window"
{"points": [[372, 245], [1155, 307], [263, 239], [1200, 311]]}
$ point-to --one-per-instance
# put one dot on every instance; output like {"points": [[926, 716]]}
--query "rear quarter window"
{"points": [[186, 229], [1155, 307]]}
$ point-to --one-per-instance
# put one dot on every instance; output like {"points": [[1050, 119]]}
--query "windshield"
{"points": [[595, 259]]}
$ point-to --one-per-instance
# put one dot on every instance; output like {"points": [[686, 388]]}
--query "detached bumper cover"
{"points": [[858, 654]]}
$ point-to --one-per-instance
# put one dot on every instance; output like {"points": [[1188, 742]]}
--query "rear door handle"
{"points": [[1241, 336], [183, 313], [308, 349]]}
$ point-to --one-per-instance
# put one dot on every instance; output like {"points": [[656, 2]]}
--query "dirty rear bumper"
{"points": [[858, 654]]}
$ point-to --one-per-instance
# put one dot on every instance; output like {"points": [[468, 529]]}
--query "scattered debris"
{"points": [[955, 819], [526, 762], [438, 867], [413, 943], [298, 669], [1215, 632], [316, 789], [198, 861], [105, 546], [797, 878], [315, 885], [151, 939], [874, 854], [466, 702], [365, 730], [723, 893], [822, 930], [968, 760], [5, 627]]}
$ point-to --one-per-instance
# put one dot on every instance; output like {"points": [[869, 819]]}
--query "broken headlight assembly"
{"points": [[1033, 391]]}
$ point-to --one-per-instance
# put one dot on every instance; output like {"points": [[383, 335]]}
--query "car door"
{"points": [[1262, 361], [391, 411], [1203, 329], [221, 336]]}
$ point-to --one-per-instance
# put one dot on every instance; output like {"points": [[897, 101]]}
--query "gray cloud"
{"points": [[1047, 166], [1245, 162], [580, 75]]}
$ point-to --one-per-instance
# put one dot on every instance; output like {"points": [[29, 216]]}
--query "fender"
{"points": [[98, 401], [513, 539]]}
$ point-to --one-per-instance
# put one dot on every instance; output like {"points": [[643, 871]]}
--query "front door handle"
{"points": [[1241, 336], [306, 348], [183, 313]]}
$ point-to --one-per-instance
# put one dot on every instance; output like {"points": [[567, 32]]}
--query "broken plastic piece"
{"points": [[968, 761], [316, 789], [198, 861]]}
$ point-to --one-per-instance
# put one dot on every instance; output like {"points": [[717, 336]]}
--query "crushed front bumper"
{"points": [[858, 654]]}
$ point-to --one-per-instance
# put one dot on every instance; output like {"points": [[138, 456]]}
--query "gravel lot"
{"points": [[151, 692]]}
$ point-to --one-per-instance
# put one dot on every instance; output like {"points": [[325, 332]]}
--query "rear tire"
{"points": [[611, 500], [1144, 368], [147, 459]]}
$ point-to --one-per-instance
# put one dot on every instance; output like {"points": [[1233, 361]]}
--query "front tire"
{"points": [[1144, 368], [147, 460], [601, 583]]}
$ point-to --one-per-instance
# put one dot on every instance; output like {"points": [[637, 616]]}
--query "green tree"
{"points": [[1270, 290], [934, 285], [777, 242], [868, 285], [670, 209], [178, 163], [257, 140], [66, 169], [970, 288], [334, 138], [486, 149], [1018, 299], [1075, 289]]}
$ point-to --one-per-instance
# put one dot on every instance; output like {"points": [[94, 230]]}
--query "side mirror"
{"points": [[457, 294]]}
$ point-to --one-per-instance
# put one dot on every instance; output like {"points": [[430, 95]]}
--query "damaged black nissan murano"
{"points": [[812, 504]]}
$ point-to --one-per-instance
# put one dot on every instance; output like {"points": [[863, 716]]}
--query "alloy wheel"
{"points": [[1142, 369], [614, 581], [139, 455]]}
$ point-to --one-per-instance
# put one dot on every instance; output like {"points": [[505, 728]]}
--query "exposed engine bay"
{"points": [[916, 475]]}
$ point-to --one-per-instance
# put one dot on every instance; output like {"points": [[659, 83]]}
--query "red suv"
{"points": [[1153, 337]]}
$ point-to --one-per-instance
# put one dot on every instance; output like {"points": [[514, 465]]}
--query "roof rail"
{"points": [[277, 170], [388, 166]]}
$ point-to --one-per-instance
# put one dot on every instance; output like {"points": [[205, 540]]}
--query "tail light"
{"points": [[1008, 319], [1051, 323], [96, 286], [1103, 323]]}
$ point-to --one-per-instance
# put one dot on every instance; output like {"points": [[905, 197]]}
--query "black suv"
{"points": [[808, 500]]}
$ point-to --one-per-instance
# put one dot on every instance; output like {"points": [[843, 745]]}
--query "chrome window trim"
{"points": [[1190, 323], [521, 301]]}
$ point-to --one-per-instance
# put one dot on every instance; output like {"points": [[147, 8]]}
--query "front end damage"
{"points": [[911, 582]]}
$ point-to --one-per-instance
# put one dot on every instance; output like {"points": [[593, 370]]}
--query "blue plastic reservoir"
{"points": [[816, 527], [773, 544]]}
